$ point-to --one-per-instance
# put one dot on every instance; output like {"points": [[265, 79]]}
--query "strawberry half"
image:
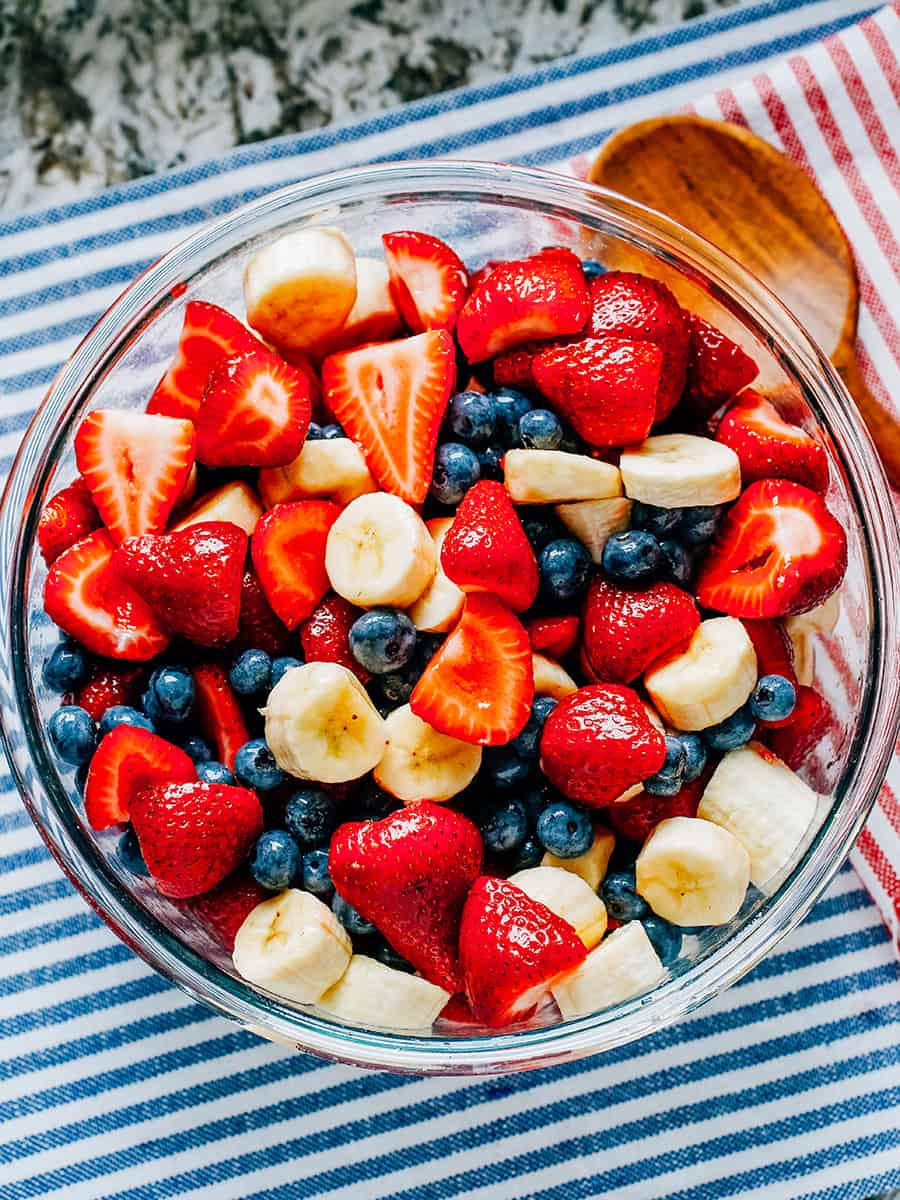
{"points": [[606, 388], [774, 649], [543, 296], [512, 950], [636, 819], [779, 552], [794, 741], [108, 686], [258, 626], [223, 911], [88, 599], [128, 760], [717, 368], [429, 281], [390, 398], [770, 448], [191, 578], [66, 518], [288, 550], [218, 712], [208, 335], [135, 466], [194, 834], [479, 686], [515, 368], [554, 636], [486, 550], [409, 874], [325, 636], [626, 630]]}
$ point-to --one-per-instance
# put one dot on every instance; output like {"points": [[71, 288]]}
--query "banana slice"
{"points": [[804, 628], [567, 895], [300, 289], [804, 648], [369, 993], [622, 966], [709, 680], [373, 317], [550, 679], [293, 945], [590, 866], [333, 469], [419, 763], [235, 502], [594, 522], [553, 476], [680, 470], [321, 724], [764, 804], [692, 872], [379, 551], [440, 606]]}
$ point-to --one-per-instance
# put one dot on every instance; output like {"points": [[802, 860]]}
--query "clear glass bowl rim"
{"points": [[554, 195]]}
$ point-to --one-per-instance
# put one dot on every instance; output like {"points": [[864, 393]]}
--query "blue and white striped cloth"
{"points": [[113, 1084]]}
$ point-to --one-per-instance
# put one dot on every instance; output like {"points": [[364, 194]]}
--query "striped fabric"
{"points": [[113, 1084]]}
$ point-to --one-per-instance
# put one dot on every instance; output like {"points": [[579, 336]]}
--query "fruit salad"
{"points": [[438, 641]]}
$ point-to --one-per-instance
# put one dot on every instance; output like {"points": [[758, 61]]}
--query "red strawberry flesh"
{"points": [[288, 551], [554, 636], [486, 549], [428, 280], [626, 630], [127, 761], [218, 712]]}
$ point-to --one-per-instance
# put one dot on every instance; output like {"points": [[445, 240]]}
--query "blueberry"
{"points": [[314, 433], [564, 567], [255, 766], [397, 686], [282, 665], [355, 923], [214, 772], [73, 734], [773, 698], [311, 816], [124, 714], [541, 528], [665, 938], [694, 756], [490, 463], [275, 859], [505, 769], [564, 830], [251, 673], [128, 852], [197, 749], [169, 695], [699, 524], [471, 417], [527, 744], [382, 640], [592, 269], [504, 826], [622, 901], [330, 432], [529, 854], [384, 952], [668, 779], [633, 557], [456, 469], [371, 802], [67, 668], [536, 800], [540, 429], [679, 563], [571, 443], [733, 732], [658, 521], [314, 874], [510, 406]]}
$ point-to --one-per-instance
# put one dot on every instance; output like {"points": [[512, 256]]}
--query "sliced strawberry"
{"points": [[66, 518], [636, 819], [288, 549], [486, 550], [86, 597], [796, 740], [479, 686], [208, 335], [778, 552], [108, 686], [512, 950], [458, 1010], [135, 466], [429, 281], [218, 712], [482, 273], [223, 910], [625, 630], [128, 760], [390, 398], [325, 636], [554, 636], [191, 578], [717, 368], [543, 296], [774, 650], [301, 362], [258, 626], [768, 447], [606, 388]]}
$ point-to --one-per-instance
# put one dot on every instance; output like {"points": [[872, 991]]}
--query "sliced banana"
{"points": [[803, 645], [680, 470], [767, 807], [440, 606], [550, 679], [592, 865], [300, 288], [709, 680], [567, 895], [373, 317], [622, 966], [369, 993], [594, 522], [692, 872], [379, 551], [322, 725], [419, 763], [330, 468], [804, 629], [235, 502], [553, 476], [293, 945]]}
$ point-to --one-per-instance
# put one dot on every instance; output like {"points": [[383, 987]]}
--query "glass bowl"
{"points": [[484, 211]]}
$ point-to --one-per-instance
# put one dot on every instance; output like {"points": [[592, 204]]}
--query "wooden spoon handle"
{"points": [[882, 425]]}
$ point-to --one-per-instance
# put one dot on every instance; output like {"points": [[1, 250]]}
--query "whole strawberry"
{"points": [[107, 686], [223, 910], [325, 636], [486, 550], [67, 517], [717, 368], [626, 630]]}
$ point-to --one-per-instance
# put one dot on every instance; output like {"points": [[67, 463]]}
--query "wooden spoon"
{"points": [[738, 192]]}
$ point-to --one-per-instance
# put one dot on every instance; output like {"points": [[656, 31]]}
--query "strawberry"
{"points": [[626, 630], [543, 296], [390, 398], [644, 310], [486, 550], [794, 741], [135, 466], [258, 627], [554, 636], [218, 712], [288, 550], [66, 518], [301, 362], [194, 834], [208, 335], [428, 280], [191, 578], [774, 650], [598, 742], [779, 552], [482, 273], [479, 686], [409, 874], [108, 686], [223, 911], [457, 1009], [512, 949], [325, 636], [89, 600], [128, 760], [770, 448], [717, 368], [636, 819]]}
